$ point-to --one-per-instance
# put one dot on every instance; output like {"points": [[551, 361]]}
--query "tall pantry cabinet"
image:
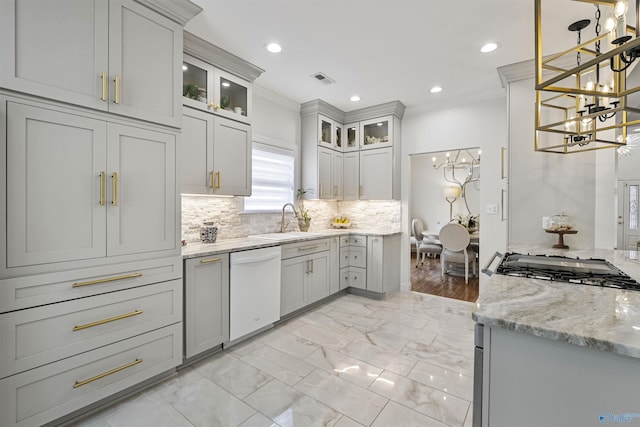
{"points": [[90, 265]]}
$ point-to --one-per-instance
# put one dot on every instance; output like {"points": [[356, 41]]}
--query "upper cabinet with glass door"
{"points": [[210, 89], [351, 137], [330, 133], [376, 133]]}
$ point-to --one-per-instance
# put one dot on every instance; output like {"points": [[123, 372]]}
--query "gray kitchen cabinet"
{"points": [[383, 264], [216, 155], [206, 294], [376, 174], [329, 173], [359, 161], [114, 196], [353, 261], [110, 55], [305, 274], [334, 266]]}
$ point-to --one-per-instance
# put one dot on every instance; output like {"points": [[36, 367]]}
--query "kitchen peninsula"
{"points": [[559, 353]]}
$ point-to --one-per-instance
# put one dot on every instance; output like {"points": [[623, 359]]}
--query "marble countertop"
{"points": [[602, 318], [194, 250]]}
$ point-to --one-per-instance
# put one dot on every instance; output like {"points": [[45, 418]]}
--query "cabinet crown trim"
{"points": [[318, 106], [220, 58], [180, 11]]}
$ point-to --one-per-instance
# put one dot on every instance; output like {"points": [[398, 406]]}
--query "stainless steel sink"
{"points": [[291, 235]]}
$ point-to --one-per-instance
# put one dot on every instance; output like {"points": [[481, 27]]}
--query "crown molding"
{"points": [[318, 106], [515, 72], [180, 11], [276, 98], [393, 108], [212, 54]]}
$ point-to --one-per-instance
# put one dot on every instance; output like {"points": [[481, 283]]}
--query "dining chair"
{"points": [[423, 247], [455, 241]]}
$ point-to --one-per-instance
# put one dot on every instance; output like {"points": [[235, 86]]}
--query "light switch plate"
{"points": [[491, 209]]}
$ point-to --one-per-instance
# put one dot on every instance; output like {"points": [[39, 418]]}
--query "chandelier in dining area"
{"points": [[586, 94], [460, 167]]}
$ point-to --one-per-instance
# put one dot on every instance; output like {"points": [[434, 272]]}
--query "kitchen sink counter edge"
{"points": [[197, 249], [602, 318]]}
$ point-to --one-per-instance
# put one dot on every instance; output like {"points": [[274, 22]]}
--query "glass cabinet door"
{"points": [[376, 133], [232, 97], [338, 136], [351, 142], [325, 132], [197, 85]]}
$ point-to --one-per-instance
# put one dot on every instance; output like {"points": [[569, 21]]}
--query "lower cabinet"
{"points": [[383, 264], [206, 293], [353, 262], [305, 277]]}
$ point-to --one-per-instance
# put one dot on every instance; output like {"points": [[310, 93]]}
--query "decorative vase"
{"points": [[225, 101], [208, 232], [304, 223]]}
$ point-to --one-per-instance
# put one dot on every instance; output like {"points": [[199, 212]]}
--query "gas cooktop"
{"points": [[594, 272]]}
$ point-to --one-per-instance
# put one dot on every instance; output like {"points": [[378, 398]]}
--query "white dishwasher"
{"points": [[254, 294]]}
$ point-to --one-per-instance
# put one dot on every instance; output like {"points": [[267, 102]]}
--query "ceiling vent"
{"points": [[323, 78]]}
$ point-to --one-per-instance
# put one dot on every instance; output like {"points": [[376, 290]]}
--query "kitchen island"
{"points": [[557, 353]]}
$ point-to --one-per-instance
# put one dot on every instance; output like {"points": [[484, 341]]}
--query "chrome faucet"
{"points": [[282, 226]]}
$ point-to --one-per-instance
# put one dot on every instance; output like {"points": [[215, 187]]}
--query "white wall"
{"points": [[482, 124]]}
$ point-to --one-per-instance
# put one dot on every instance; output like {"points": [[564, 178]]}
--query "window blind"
{"points": [[272, 178]]}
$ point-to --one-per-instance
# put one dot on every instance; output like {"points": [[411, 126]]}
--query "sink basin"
{"points": [[287, 236]]}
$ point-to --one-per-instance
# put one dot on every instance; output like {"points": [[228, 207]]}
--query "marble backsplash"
{"points": [[227, 215]]}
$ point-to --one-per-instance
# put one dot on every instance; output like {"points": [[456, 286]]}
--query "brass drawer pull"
{"points": [[308, 248], [109, 279], [117, 82], [104, 86], [106, 374], [115, 188], [102, 188], [102, 322], [207, 261], [213, 180], [219, 174]]}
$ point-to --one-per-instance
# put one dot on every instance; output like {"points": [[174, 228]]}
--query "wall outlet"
{"points": [[491, 209]]}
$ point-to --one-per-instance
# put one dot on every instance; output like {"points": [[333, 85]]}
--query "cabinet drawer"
{"points": [[303, 248], [45, 334], [353, 277], [44, 394], [24, 292], [351, 256], [353, 240]]}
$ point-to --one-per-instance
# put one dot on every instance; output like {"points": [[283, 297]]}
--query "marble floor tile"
{"points": [[148, 409], [434, 403], [355, 402], [291, 408], [347, 422], [204, 403], [349, 318], [424, 336], [454, 343], [344, 366], [378, 338], [324, 321], [291, 342], [322, 336], [381, 358], [398, 316], [397, 415], [468, 422], [287, 369], [443, 358], [259, 420], [357, 306], [445, 380], [232, 374]]}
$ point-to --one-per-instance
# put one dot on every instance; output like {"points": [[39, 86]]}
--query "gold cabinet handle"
{"points": [[102, 322], [219, 174], [502, 150], [108, 279], [502, 216], [207, 261], [213, 180], [117, 81], [114, 178], [311, 263], [106, 374], [214, 106], [102, 188], [104, 86], [307, 248]]}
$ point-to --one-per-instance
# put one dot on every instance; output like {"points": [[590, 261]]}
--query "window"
{"points": [[272, 178]]}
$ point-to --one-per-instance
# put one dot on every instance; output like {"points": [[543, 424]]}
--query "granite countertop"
{"points": [[601, 318], [194, 250]]}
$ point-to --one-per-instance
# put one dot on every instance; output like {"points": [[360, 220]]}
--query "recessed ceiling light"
{"points": [[435, 89], [355, 98], [489, 47], [184, 67], [273, 47], [226, 84]]}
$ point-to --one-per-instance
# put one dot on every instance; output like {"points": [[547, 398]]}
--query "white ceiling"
{"points": [[384, 50]]}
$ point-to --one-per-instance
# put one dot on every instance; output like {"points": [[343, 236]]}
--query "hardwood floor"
{"points": [[426, 279]]}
